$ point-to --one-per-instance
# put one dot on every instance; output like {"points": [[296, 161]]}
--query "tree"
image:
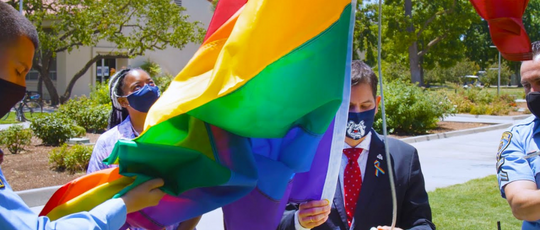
{"points": [[477, 38], [214, 3], [531, 21], [424, 34], [492, 74], [452, 74], [365, 33], [133, 26], [477, 41]]}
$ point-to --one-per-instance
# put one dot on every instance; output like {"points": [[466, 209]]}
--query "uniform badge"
{"points": [[378, 168], [505, 141]]}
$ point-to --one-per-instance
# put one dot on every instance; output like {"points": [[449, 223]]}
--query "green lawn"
{"points": [[476, 204], [519, 93], [12, 118]]}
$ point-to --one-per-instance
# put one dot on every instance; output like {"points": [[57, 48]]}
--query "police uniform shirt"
{"points": [[15, 214], [512, 161]]}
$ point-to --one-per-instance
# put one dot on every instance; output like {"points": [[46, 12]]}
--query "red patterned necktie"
{"points": [[352, 181]]}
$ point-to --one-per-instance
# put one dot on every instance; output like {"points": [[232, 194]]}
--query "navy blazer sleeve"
{"points": [[415, 212], [287, 220]]}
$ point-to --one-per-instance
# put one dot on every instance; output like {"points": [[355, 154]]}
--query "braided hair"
{"points": [[118, 113]]}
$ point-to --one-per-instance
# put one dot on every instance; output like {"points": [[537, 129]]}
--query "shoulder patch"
{"points": [[505, 141], [2, 185]]}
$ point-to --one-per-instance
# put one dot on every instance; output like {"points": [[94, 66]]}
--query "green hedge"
{"points": [[87, 113], [411, 109], [55, 128]]}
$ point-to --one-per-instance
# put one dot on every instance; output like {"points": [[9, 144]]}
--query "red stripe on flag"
{"points": [[225, 9]]}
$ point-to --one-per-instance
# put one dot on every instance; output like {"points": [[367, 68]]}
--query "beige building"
{"points": [[171, 60]]}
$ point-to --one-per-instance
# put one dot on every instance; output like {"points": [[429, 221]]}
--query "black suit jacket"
{"points": [[374, 206]]}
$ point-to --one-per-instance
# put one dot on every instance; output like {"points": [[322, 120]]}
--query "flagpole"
{"points": [[385, 132], [21, 6]]}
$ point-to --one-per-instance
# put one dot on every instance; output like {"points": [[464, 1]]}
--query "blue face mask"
{"points": [[142, 99], [359, 124]]}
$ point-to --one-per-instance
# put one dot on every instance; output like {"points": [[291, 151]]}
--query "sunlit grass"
{"points": [[12, 119], [476, 204]]}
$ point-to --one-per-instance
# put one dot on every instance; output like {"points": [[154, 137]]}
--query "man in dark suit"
{"points": [[363, 197]]}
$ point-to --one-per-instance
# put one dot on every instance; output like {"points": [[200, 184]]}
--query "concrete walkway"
{"points": [[446, 160], [24, 124], [458, 159]]}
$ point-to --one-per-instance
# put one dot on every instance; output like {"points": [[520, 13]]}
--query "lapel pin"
{"points": [[379, 157]]}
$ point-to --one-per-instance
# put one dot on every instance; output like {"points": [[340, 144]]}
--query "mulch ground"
{"points": [[31, 169]]}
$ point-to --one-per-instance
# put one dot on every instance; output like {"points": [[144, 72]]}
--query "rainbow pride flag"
{"points": [[243, 117]]}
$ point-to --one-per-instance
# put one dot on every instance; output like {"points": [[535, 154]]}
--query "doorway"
{"points": [[105, 68]]}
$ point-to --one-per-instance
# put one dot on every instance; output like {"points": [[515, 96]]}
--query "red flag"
{"points": [[505, 19]]}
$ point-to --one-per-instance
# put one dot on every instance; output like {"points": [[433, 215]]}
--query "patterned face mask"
{"points": [[359, 124]]}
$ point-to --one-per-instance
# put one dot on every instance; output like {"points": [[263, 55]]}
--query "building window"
{"points": [[178, 2], [33, 75]]}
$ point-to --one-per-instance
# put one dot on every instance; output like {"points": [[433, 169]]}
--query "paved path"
{"points": [[445, 161], [458, 159], [24, 124]]}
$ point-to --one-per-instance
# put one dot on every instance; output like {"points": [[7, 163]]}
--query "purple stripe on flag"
{"points": [[265, 216], [309, 185]]}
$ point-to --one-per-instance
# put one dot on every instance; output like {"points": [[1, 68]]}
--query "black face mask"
{"points": [[10, 94], [533, 102]]}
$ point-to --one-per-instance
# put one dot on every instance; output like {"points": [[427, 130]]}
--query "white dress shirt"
{"points": [[362, 162]]}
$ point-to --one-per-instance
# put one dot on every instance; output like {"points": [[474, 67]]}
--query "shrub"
{"points": [[53, 128], [70, 158], [411, 109], [151, 67], [15, 138], [79, 131], [490, 78], [86, 113], [480, 101], [100, 94], [163, 81], [94, 118]]}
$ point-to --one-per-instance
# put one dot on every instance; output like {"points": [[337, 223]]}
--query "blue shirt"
{"points": [[513, 165], [15, 214]]}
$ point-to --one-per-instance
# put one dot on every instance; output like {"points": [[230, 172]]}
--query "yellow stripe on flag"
{"points": [[91, 198], [260, 33]]}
